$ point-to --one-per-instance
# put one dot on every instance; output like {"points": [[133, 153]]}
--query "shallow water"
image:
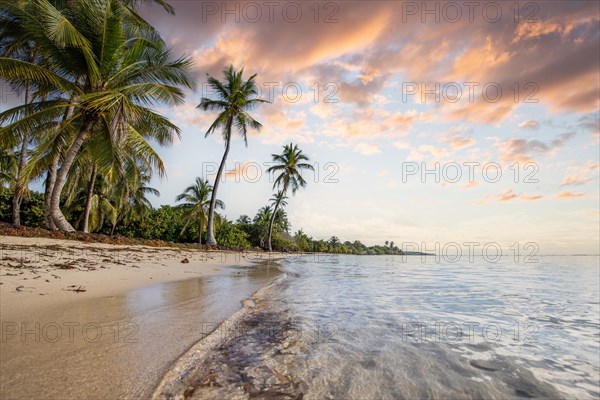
{"points": [[118, 347], [380, 327]]}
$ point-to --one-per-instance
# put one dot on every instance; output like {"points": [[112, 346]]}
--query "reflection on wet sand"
{"points": [[120, 346]]}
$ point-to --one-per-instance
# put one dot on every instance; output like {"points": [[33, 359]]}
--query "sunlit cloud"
{"points": [[529, 124], [581, 176], [570, 195]]}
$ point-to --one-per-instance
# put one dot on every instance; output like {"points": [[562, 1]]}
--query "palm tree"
{"points": [[235, 99], [243, 220], [197, 204], [289, 164], [14, 43], [101, 65]]}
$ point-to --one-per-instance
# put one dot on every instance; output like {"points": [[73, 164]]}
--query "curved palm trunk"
{"points": [[88, 200], [50, 181], [273, 220], [19, 184], [210, 236], [61, 177], [51, 177]]}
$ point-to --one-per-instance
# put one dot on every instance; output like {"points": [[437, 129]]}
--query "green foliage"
{"points": [[230, 235], [167, 223], [32, 209]]}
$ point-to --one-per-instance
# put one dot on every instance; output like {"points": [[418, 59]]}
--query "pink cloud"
{"points": [[570, 195], [510, 195], [582, 176]]}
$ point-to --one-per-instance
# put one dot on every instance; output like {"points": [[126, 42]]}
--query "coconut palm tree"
{"points": [[288, 165], [100, 65], [235, 97], [243, 220], [197, 199], [14, 43]]}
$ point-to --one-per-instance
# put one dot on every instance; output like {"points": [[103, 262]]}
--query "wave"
{"points": [[191, 371]]}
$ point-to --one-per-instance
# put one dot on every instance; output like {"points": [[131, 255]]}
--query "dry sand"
{"points": [[81, 320]]}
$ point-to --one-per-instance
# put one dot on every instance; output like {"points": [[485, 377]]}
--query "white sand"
{"points": [[36, 267], [148, 306]]}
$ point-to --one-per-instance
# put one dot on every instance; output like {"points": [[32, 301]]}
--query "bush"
{"points": [[230, 235], [32, 209]]}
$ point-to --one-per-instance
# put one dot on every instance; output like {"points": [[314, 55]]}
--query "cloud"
{"points": [[581, 176], [506, 196], [188, 115], [470, 185], [370, 123], [523, 150], [456, 140], [529, 124], [591, 123], [510, 195], [570, 195], [367, 148], [367, 47], [525, 197], [401, 144]]}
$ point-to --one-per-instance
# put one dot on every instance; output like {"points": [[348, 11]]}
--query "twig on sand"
{"points": [[22, 288], [74, 288]]}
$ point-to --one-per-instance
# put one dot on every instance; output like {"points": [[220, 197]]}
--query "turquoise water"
{"points": [[373, 327]]}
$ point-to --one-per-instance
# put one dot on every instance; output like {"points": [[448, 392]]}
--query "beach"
{"points": [[105, 321]]}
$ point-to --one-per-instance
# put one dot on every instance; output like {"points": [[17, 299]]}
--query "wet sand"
{"points": [[113, 340]]}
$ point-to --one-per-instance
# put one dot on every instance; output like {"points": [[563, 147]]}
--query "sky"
{"points": [[428, 122]]}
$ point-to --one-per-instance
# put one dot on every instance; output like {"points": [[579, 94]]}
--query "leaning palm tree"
{"points": [[197, 204], [289, 165], [106, 70], [235, 97]]}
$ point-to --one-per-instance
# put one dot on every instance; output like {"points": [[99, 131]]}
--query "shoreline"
{"points": [[50, 271], [108, 339], [181, 379]]}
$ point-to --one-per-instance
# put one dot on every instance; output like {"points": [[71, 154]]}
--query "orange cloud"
{"points": [[456, 140], [510, 195], [475, 62], [582, 176], [506, 196], [470, 185], [570, 195]]}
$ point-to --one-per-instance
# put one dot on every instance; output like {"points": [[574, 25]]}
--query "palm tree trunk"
{"points": [[18, 195], [50, 181], [210, 236], [200, 234], [273, 220], [61, 176], [88, 199]]}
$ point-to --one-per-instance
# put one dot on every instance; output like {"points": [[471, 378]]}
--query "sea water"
{"points": [[394, 327]]}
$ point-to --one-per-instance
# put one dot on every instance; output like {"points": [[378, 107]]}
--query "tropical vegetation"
{"points": [[92, 75]]}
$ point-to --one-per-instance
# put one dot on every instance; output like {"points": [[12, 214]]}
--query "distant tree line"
{"points": [[172, 224]]}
